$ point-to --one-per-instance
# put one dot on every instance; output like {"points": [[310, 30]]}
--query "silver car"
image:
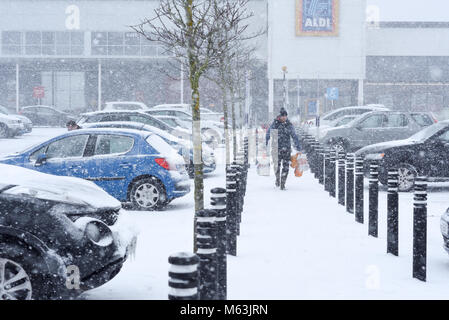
{"points": [[370, 128]]}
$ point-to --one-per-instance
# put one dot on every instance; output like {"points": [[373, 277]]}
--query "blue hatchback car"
{"points": [[133, 166]]}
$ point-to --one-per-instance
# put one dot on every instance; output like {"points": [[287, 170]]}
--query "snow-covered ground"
{"points": [[294, 244]]}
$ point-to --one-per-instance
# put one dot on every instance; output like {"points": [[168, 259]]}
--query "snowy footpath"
{"points": [[294, 244]]}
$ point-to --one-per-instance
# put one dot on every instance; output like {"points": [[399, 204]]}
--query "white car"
{"points": [[26, 122], [212, 131], [206, 114], [329, 118], [125, 105], [10, 126]]}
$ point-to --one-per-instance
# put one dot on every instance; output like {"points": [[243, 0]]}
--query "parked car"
{"points": [[10, 126], [370, 128], [184, 147], [135, 167], [206, 114], [46, 116], [125, 105], [49, 224], [28, 125], [213, 131], [426, 152], [132, 116], [444, 227], [346, 111], [342, 121]]}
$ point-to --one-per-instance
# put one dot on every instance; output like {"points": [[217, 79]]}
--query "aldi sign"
{"points": [[317, 17]]}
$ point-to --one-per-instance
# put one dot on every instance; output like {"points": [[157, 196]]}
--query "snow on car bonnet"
{"points": [[57, 188]]}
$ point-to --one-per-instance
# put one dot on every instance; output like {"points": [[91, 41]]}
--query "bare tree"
{"points": [[189, 31]]}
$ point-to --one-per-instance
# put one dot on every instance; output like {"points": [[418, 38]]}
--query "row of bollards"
{"points": [[343, 177], [203, 276]]}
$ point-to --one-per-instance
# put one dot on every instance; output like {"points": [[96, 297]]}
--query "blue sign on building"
{"points": [[317, 17], [332, 93], [312, 108]]}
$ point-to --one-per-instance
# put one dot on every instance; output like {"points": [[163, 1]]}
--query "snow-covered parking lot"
{"points": [[294, 244]]}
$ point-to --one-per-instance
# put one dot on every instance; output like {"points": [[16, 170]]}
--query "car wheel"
{"points": [[3, 131], [339, 146], [24, 275], [406, 175], [148, 194]]}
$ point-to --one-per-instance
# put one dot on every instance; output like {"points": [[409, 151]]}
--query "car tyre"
{"points": [[148, 194], [406, 174], [33, 280], [340, 146], [3, 131]]}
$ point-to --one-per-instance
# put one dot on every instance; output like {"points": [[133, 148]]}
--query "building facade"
{"points": [[78, 54]]}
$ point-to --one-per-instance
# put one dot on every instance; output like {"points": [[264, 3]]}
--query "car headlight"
{"points": [[95, 230], [375, 156]]}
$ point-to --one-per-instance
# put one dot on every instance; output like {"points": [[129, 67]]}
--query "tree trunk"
{"points": [[226, 125], [234, 136], [194, 77], [197, 147]]}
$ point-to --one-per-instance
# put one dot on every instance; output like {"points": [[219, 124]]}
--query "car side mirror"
{"points": [[41, 159], [359, 127]]}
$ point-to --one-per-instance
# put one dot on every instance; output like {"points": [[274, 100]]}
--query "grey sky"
{"points": [[412, 10]]}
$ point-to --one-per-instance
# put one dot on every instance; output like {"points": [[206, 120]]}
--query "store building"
{"points": [[77, 54]]}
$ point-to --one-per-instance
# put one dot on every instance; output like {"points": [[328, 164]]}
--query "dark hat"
{"points": [[283, 112], [70, 123]]}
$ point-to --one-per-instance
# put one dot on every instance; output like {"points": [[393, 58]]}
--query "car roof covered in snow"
{"points": [[127, 131], [54, 188], [114, 111], [130, 125]]}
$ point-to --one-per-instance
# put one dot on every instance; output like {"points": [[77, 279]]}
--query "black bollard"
{"points": [[373, 199], [326, 169], [341, 178], [359, 189], [246, 150], [218, 203], [393, 213], [332, 174], [420, 229], [239, 179], [231, 214], [350, 159], [320, 169], [183, 276], [206, 241]]}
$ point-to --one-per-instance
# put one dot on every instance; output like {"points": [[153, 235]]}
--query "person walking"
{"points": [[284, 130]]}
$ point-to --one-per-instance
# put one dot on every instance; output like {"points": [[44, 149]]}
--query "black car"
{"points": [[46, 116], [58, 235], [132, 116], [426, 153]]}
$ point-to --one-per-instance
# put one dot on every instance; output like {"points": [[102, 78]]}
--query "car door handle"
{"points": [[125, 165]]}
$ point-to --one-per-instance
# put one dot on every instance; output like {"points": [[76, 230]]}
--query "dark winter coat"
{"points": [[286, 132]]}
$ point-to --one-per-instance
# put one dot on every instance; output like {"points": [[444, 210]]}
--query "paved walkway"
{"points": [[300, 244]]}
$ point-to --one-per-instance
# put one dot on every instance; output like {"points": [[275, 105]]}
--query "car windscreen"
{"points": [[344, 121], [160, 145], [428, 132], [4, 110], [422, 119]]}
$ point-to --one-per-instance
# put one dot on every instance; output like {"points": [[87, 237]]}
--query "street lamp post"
{"points": [[284, 100]]}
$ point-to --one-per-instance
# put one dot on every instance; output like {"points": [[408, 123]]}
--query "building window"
{"points": [[124, 44], [46, 43], [11, 42]]}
